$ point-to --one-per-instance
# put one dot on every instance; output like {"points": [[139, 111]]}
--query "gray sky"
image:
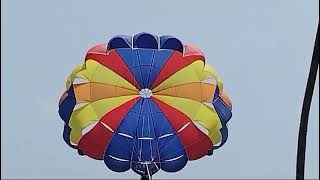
{"points": [[261, 49]]}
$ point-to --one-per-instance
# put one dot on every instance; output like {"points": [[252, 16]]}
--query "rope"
{"points": [[300, 166]]}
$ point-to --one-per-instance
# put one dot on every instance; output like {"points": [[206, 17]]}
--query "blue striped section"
{"points": [[65, 110], [137, 143], [160, 58], [145, 64], [225, 114], [67, 105], [170, 42], [170, 146], [145, 40], [118, 154], [121, 41]]}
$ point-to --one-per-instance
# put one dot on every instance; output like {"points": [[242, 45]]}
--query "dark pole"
{"points": [[305, 110]]}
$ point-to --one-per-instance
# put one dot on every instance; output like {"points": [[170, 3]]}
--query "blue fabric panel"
{"points": [[145, 40], [161, 57], [154, 108], [116, 165], [121, 41], [67, 105], [146, 56], [129, 124], [170, 147], [150, 62], [162, 126], [146, 149], [145, 123], [144, 126], [129, 56], [66, 136], [222, 109], [152, 76], [225, 114], [137, 107], [145, 72], [216, 93], [145, 129], [136, 158], [176, 165], [170, 42], [145, 60], [120, 147], [136, 71], [145, 109]]}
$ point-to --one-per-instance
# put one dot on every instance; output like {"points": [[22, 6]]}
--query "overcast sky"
{"points": [[261, 48]]}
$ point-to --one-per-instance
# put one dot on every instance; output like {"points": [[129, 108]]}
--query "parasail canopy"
{"points": [[145, 103]]}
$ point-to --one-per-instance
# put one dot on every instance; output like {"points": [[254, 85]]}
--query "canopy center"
{"points": [[145, 93]]}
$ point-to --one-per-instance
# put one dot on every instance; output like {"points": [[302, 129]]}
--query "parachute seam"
{"points": [[121, 75], [174, 133], [188, 65], [153, 54], [156, 139], [116, 131], [164, 64]]}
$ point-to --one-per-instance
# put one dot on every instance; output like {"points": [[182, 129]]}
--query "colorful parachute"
{"points": [[144, 103]]}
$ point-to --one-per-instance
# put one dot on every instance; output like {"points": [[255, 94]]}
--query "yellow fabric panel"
{"points": [[210, 72], [207, 92], [95, 72], [190, 73], [189, 91], [198, 91], [92, 91], [82, 92], [71, 77], [195, 72], [124, 92], [80, 119], [92, 112], [196, 111], [215, 136]]}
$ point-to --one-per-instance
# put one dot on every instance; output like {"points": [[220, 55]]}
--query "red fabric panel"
{"points": [[177, 119], [95, 141], [114, 117], [177, 62], [192, 52], [195, 142], [113, 61], [100, 48]]}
